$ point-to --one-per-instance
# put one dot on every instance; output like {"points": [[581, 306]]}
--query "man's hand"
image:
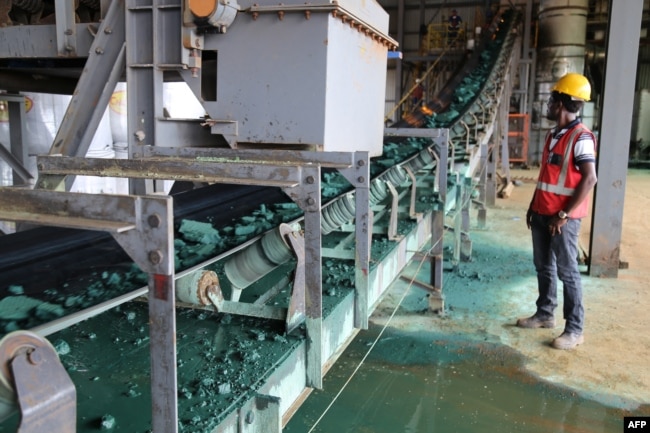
{"points": [[529, 218], [555, 225]]}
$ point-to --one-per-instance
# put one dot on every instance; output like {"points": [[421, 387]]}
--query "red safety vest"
{"points": [[558, 180]]}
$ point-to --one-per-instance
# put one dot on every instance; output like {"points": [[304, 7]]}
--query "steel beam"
{"points": [[35, 41], [436, 298], [143, 226], [308, 197], [616, 118], [359, 176], [96, 85], [233, 171], [338, 160], [66, 39], [18, 155]]}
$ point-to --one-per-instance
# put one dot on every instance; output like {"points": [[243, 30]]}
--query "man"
{"points": [[567, 175], [417, 93], [453, 26]]}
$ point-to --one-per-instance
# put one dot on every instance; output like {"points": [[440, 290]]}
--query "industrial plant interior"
{"points": [[203, 203]]}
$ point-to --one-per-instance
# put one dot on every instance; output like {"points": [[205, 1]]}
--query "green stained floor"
{"points": [[427, 382], [457, 373]]}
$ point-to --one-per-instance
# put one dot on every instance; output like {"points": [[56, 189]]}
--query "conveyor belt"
{"points": [[219, 204], [47, 258], [45, 262]]}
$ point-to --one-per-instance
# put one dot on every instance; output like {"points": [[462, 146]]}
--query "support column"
{"points": [[311, 205], [491, 183], [465, 240], [482, 212], [616, 118], [436, 298], [17, 133]]}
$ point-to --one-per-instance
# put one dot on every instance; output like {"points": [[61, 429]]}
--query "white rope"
{"points": [[329, 406]]}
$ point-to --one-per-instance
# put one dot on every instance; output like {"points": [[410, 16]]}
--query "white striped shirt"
{"points": [[584, 150]]}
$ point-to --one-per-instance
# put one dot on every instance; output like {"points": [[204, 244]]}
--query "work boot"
{"points": [[535, 322], [568, 340]]}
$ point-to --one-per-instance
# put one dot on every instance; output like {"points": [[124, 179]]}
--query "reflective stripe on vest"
{"points": [[560, 189]]}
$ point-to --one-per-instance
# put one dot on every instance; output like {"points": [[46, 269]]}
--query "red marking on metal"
{"points": [[161, 286]]}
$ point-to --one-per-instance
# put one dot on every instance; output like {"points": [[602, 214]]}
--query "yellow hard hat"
{"points": [[575, 85]]}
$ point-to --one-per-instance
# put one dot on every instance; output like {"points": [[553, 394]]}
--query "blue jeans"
{"points": [[557, 256]]}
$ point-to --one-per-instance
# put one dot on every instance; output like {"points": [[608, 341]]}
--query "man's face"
{"points": [[553, 108]]}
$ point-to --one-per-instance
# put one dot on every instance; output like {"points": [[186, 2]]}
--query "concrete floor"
{"points": [[486, 299], [483, 299]]}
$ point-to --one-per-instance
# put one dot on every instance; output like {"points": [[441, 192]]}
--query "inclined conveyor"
{"points": [[241, 370]]}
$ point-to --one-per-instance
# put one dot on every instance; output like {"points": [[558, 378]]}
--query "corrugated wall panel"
{"points": [[643, 74], [391, 100], [390, 85]]}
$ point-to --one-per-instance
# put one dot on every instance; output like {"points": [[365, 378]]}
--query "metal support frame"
{"points": [[617, 108], [20, 173], [414, 190], [308, 198], [153, 27], [293, 315], [436, 298], [17, 154], [33, 374], [491, 181], [503, 127], [457, 217], [359, 176], [396, 197], [399, 67], [66, 39], [104, 66], [479, 133], [440, 151], [299, 180], [466, 203], [393, 213], [525, 64], [143, 226], [355, 167], [234, 171], [482, 185]]}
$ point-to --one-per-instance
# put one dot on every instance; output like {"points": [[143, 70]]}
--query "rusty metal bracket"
{"points": [[44, 392]]}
